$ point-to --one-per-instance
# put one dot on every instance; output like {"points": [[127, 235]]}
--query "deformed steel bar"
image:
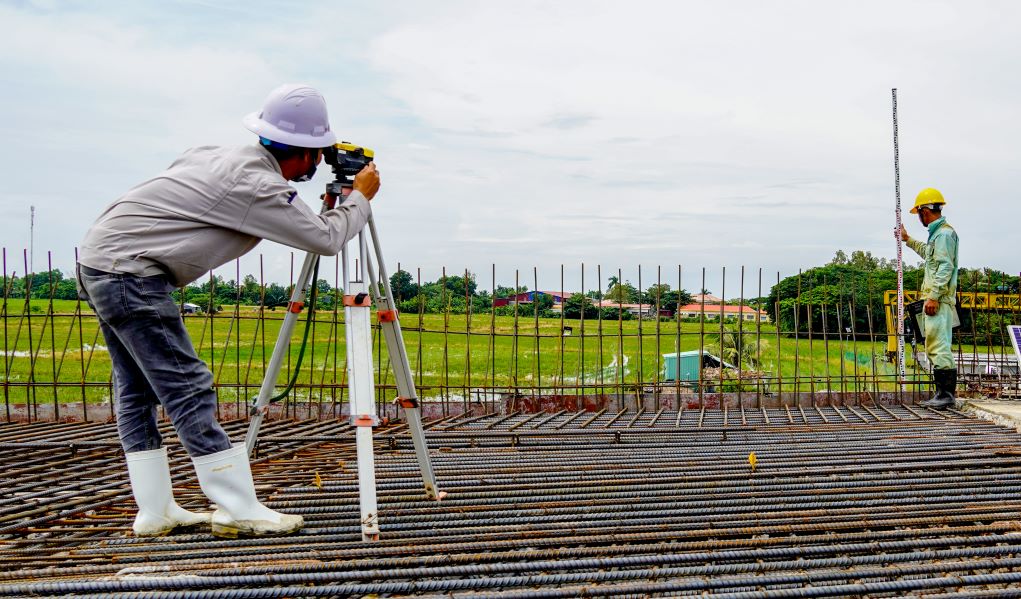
{"points": [[561, 559], [449, 578], [547, 511], [417, 587]]}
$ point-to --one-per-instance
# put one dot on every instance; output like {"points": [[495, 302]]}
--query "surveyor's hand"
{"points": [[931, 307], [903, 233], [367, 181]]}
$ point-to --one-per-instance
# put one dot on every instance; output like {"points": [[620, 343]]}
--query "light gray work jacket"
{"points": [[211, 206]]}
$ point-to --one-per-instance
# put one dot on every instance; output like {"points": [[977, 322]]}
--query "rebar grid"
{"points": [[877, 500], [55, 366]]}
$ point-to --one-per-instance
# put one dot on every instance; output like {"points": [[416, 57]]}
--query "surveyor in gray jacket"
{"points": [[212, 205]]}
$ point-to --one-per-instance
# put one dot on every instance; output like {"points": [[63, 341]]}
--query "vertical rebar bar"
{"points": [[840, 337], [8, 283], [599, 331], [739, 346], [581, 333], [776, 322], [261, 331], [659, 350], [467, 378], [758, 344], [872, 341], [723, 303], [797, 343], [491, 367], [81, 341], [30, 394], [445, 301], [563, 307], [701, 344], [619, 381], [537, 361], [53, 334], [824, 317], [640, 380], [514, 339], [677, 343]]}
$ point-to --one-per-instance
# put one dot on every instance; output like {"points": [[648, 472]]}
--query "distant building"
{"points": [[708, 299], [559, 297], [729, 312], [639, 310], [190, 309]]}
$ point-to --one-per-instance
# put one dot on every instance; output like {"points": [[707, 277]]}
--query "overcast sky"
{"points": [[535, 134]]}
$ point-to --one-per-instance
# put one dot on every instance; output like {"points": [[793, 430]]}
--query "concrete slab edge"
{"points": [[987, 410]]}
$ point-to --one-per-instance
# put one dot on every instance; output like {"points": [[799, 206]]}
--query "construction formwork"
{"points": [[870, 500]]}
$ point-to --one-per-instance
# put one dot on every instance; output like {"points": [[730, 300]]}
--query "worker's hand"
{"points": [[367, 181], [903, 234], [931, 307], [329, 200]]}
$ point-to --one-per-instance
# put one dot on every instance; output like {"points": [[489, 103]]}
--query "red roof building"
{"points": [[728, 311]]}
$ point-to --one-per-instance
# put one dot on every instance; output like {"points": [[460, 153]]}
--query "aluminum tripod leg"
{"points": [[280, 351], [407, 395]]}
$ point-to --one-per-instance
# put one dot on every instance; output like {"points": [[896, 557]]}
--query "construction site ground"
{"points": [[866, 500]]}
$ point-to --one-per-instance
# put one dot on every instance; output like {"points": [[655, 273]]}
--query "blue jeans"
{"points": [[154, 362]]}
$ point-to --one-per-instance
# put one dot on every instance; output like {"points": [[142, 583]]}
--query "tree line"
{"points": [[458, 294], [455, 294], [845, 297]]}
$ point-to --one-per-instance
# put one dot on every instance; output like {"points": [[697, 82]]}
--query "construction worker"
{"points": [[939, 290], [212, 205]]}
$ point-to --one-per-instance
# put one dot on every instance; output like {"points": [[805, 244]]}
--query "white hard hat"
{"points": [[294, 115]]}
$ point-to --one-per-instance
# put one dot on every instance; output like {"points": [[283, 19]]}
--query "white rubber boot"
{"points": [[226, 479], [158, 513]]}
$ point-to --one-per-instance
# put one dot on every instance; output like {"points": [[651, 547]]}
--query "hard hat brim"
{"points": [[256, 125]]}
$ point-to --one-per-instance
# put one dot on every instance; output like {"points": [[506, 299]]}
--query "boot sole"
{"points": [[158, 533], [233, 532], [165, 532]]}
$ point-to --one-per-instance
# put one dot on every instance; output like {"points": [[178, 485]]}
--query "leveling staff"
{"points": [[939, 290], [212, 205]]}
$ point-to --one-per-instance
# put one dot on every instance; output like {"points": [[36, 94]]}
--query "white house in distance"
{"points": [[713, 311], [188, 308], [638, 310], [707, 298]]}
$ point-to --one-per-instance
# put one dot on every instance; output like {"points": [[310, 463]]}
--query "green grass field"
{"points": [[449, 353]]}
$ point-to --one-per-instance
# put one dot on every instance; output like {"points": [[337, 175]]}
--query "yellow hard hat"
{"points": [[926, 197]]}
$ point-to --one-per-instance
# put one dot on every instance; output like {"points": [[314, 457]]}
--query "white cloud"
{"points": [[533, 133]]}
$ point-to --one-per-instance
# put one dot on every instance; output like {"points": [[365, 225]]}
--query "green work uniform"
{"points": [[940, 284]]}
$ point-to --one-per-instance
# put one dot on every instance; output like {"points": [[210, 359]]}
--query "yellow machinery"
{"points": [[965, 301]]}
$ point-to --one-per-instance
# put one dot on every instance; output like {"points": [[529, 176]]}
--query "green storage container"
{"points": [[684, 366]]}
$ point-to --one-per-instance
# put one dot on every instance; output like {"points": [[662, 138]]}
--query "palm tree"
{"points": [[735, 348]]}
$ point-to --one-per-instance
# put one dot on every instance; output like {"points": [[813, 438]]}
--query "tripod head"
{"points": [[347, 160]]}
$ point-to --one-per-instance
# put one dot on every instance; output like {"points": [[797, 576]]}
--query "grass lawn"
{"points": [[448, 353]]}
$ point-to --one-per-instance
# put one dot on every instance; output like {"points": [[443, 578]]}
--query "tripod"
{"points": [[362, 288]]}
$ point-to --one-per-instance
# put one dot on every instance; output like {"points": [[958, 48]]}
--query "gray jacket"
{"points": [[212, 205]]}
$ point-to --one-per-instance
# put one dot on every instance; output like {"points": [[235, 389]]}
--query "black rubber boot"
{"points": [[945, 381], [950, 391]]}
